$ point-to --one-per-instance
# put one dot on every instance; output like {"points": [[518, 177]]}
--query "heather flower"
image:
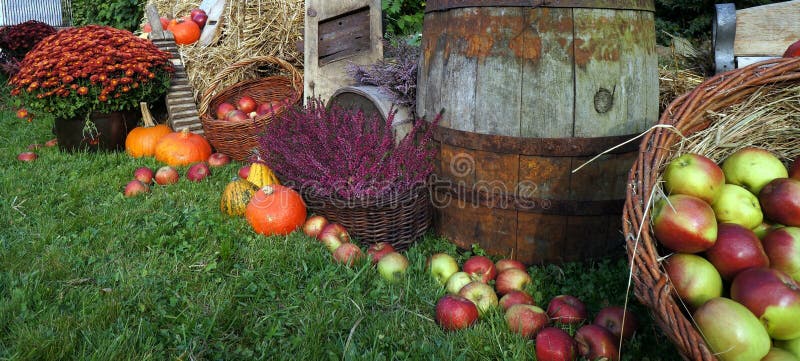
{"points": [[344, 153], [396, 75]]}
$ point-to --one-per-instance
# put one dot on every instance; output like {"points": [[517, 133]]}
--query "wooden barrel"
{"points": [[531, 91], [374, 102]]}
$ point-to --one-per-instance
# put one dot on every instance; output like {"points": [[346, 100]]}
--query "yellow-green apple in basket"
{"points": [[737, 249], [780, 201], [792, 345], [685, 224], [695, 175], [731, 331], [782, 246], [773, 297], [752, 168], [694, 278], [737, 205], [778, 354]]}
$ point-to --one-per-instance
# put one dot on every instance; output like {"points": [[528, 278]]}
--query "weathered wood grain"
{"points": [[767, 30]]}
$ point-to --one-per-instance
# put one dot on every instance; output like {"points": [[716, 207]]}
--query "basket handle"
{"points": [[297, 78]]}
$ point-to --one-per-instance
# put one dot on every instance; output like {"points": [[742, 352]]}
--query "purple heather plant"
{"points": [[395, 75], [345, 154]]}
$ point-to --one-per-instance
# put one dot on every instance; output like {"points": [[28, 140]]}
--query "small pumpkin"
{"points": [[182, 148], [261, 175], [185, 32], [275, 209], [236, 196], [141, 141]]}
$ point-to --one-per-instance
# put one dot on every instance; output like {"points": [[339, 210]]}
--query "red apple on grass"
{"points": [[198, 171], [223, 109], [144, 174], [694, 278], [314, 225], [684, 223], [27, 157], [526, 320], [507, 263], [441, 266], [480, 268], [555, 344], [752, 168], [780, 201], [516, 297], [392, 267], [166, 175], [135, 188], [596, 342], [51, 143], [376, 251], [347, 254], [737, 248], [244, 171], [456, 281], [333, 235], [454, 312], [773, 297], [695, 175], [731, 331], [567, 309], [482, 294], [218, 159], [778, 354], [246, 104], [621, 322], [782, 246], [512, 279]]}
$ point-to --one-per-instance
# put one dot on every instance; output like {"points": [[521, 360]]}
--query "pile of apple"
{"points": [[734, 229], [143, 177], [247, 108], [471, 296], [30, 154]]}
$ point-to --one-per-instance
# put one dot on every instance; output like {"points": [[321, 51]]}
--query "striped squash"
{"points": [[236, 196], [261, 175]]}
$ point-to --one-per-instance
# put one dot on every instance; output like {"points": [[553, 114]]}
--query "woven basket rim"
{"points": [[395, 198]]}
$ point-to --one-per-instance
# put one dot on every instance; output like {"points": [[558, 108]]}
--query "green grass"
{"points": [[88, 274]]}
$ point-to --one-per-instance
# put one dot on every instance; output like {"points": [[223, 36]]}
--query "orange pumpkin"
{"points": [[141, 141], [275, 209], [185, 32], [182, 148]]}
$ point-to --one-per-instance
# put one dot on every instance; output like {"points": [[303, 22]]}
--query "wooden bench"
{"points": [[742, 37]]}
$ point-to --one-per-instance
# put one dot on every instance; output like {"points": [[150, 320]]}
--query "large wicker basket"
{"points": [[238, 138], [399, 219], [688, 114]]}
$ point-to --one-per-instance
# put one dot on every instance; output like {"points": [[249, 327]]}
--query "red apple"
{"points": [[782, 246], [773, 297], [236, 115], [694, 278], [507, 263], [512, 279], [567, 310], [621, 322], [457, 281], [244, 171], [516, 297], [376, 251], [441, 266], [731, 331], [51, 143], [333, 235], [144, 174], [199, 17], [793, 50], [313, 225], [270, 107], [737, 248], [684, 223], [695, 175], [480, 268], [482, 294], [166, 175], [198, 172], [223, 110], [27, 157], [135, 188], [555, 344], [595, 342], [392, 266], [347, 254], [218, 159], [455, 312], [246, 104], [526, 320], [780, 201]]}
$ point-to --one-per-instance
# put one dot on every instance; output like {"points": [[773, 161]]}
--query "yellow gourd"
{"points": [[261, 175], [236, 196]]}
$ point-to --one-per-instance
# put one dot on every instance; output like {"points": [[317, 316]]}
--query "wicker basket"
{"points": [[399, 220], [238, 138], [688, 115]]}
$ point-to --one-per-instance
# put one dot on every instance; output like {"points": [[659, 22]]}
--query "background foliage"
{"points": [[121, 14]]}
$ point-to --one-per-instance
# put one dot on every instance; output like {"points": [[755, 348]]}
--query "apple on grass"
{"points": [[567, 309], [441, 266], [737, 205], [198, 172], [135, 188], [792, 346], [694, 278], [244, 171], [526, 320], [782, 246], [752, 168], [166, 175], [454, 312], [695, 175], [622, 323], [778, 354], [780, 201], [512, 279], [516, 297], [347, 254], [555, 344], [731, 331], [482, 294], [333, 235], [376, 251], [314, 225], [596, 342], [737, 248], [144, 174], [218, 159], [773, 297], [392, 267], [506, 263], [684, 223], [456, 281], [27, 157], [480, 268]]}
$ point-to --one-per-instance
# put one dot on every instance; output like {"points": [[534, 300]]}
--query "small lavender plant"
{"points": [[343, 153], [396, 75]]}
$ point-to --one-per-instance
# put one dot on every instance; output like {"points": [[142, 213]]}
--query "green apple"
{"points": [[456, 281], [392, 266], [442, 266], [732, 332], [792, 346], [752, 168], [695, 175], [694, 278], [737, 205], [778, 354]]}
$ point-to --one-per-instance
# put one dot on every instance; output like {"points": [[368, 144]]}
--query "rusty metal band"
{"points": [[444, 192], [554, 147], [441, 5]]}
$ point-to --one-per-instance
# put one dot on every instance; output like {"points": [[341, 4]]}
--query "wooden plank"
{"points": [[639, 96], [343, 35], [498, 83], [548, 94], [767, 30], [460, 69], [433, 62], [214, 9]]}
